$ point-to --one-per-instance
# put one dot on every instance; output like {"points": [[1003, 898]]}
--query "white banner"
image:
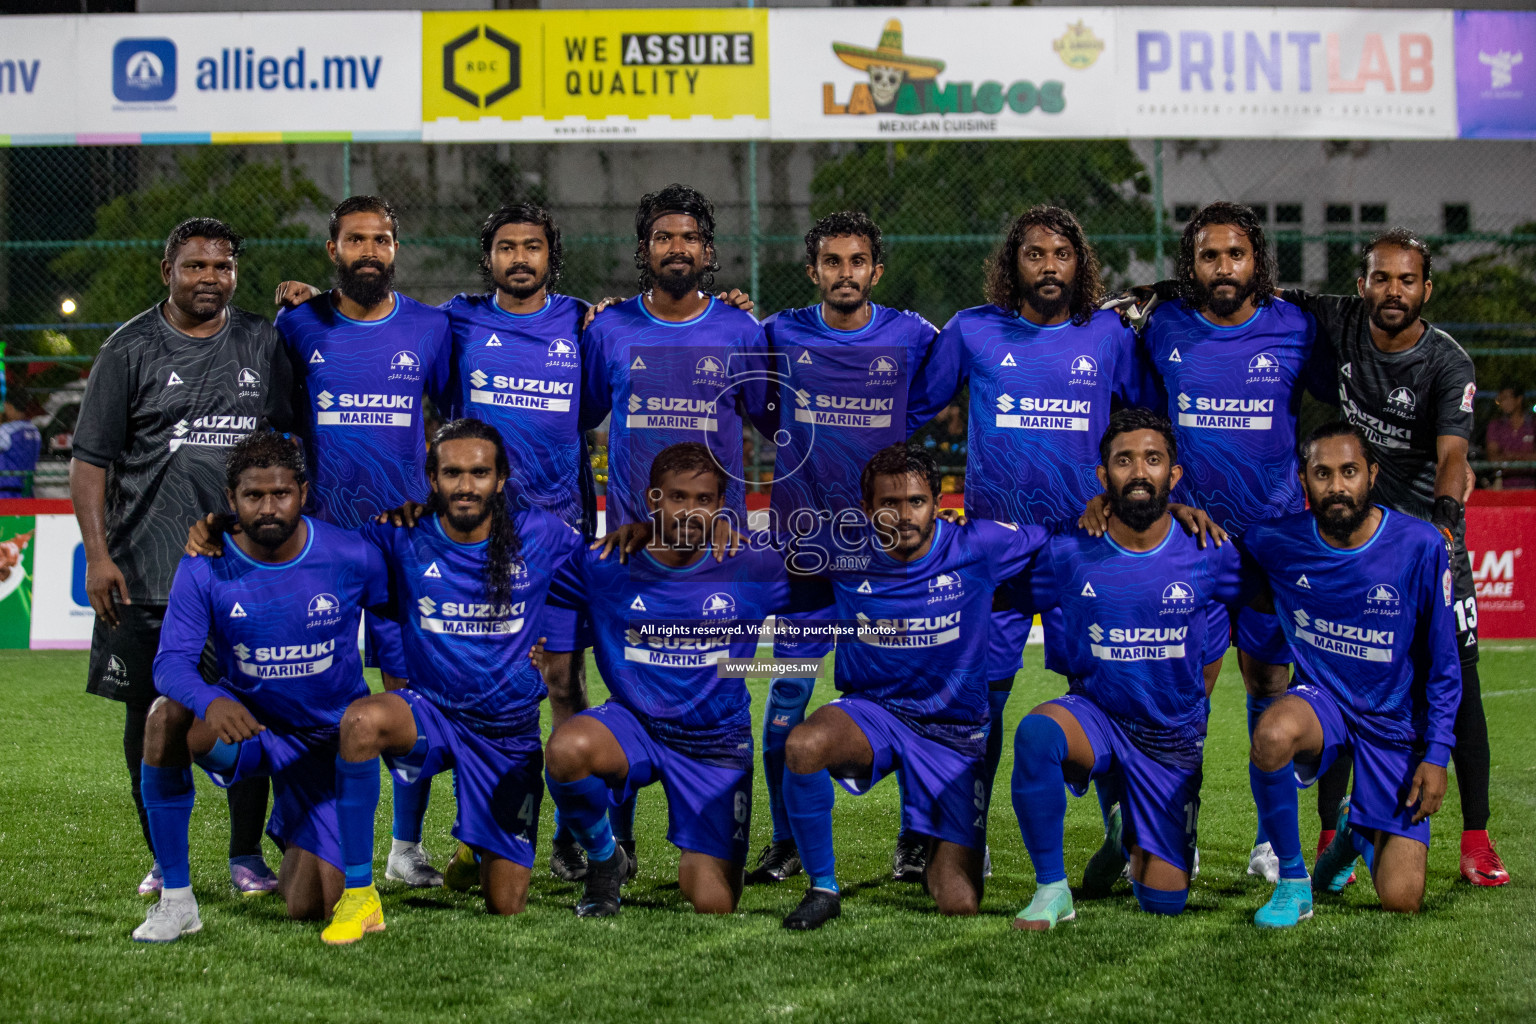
{"points": [[213, 77], [61, 614], [949, 73], [1244, 72]]}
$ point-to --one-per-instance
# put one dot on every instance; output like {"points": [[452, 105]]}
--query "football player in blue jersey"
{"points": [[845, 367], [282, 615], [1135, 635], [468, 585], [669, 363], [1365, 595], [517, 366], [1235, 362], [1045, 367], [365, 355], [919, 592], [664, 621]]}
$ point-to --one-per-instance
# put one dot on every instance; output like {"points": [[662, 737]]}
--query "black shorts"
{"points": [[123, 657]]}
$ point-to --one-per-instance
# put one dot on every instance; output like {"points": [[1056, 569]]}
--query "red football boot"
{"points": [[1480, 865]]}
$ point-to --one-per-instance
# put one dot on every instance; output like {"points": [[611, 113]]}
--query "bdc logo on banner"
{"points": [[617, 74]]}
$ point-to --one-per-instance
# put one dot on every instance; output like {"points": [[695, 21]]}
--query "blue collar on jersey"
{"points": [[1172, 526], [437, 525], [653, 318], [1381, 528], [309, 542], [1257, 312], [490, 297], [874, 314], [675, 570], [399, 301], [938, 531]]}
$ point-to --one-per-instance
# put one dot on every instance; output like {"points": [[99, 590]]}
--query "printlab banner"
{"points": [[1201, 72], [995, 72], [127, 79], [588, 75]]}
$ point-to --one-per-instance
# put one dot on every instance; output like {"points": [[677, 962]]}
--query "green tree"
{"points": [[117, 270], [964, 194]]}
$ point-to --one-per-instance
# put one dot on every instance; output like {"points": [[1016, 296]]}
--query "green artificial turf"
{"points": [[71, 856]]}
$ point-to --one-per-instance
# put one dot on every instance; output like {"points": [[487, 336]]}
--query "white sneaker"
{"points": [[169, 919], [1262, 863], [408, 863]]}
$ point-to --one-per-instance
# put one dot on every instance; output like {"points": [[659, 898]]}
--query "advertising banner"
{"points": [[16, 561], [281, 77], [1497, 537], [61, 612], [629, 74], [949, 73], [1235, 72], [1496, 74]]}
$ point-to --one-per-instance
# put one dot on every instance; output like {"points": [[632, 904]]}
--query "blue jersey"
{"points": [[666, 383], [362, 416], [1233, 396], [1040, 399], [920, 648], [1134, 634], [20, 444], [464, 654], [522, 375], [669, 682], [284, 635], [846, 398], [1371, 625]]}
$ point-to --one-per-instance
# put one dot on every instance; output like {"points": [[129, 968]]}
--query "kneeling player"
{"points": [[913, 678], [1364, 595], [1135, 603], [669, 719], [282, 612]]}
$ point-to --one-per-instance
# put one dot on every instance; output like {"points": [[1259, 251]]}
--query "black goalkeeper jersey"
{"points": [[1402, 401], [160, 409]]}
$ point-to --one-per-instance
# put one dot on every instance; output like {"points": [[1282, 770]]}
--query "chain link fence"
{"points": [[81, 229]]}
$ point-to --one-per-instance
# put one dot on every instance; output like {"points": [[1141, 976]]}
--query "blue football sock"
{"points": [[1256, 708], [808, 799], [1040, 794], [1365, 847], [583, 806], [785, 709], [410, 808], [1274, 793], [167, 794], [1160, 901], [622, 820], [997, 700], [357, 802], [1107, 788]]}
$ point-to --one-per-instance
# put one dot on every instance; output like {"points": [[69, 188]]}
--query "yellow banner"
{"points": [[483, 69]]}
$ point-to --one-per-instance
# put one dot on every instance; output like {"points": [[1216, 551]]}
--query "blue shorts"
{"points": [[1259, 636], [942, 792], [565, 629], [382, 647], [302, 767], [1383, 769], [1160, 805], [709, 806], [1006, 637], [498, 781], [787, 648]]}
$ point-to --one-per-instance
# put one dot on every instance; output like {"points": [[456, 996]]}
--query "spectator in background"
{"points": [[1511, 436], [19, 444]]}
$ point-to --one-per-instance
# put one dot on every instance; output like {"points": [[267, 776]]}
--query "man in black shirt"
{"points": [[1409, 387], [170, 390]]}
